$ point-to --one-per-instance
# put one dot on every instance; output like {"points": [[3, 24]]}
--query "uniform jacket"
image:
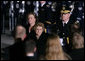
{"points": [[45, 13]]}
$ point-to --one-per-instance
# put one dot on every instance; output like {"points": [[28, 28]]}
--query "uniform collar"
{"points": [[65, 22]]}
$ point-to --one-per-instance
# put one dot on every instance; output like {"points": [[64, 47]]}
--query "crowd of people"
{"points": [[34, 41]]}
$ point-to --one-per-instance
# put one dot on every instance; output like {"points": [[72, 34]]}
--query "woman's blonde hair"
{"points": [[54, 49], [39, 24], [77, 40]]}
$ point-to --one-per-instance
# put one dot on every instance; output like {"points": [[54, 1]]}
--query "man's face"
{"points": [[65, 16], [39, 30]]}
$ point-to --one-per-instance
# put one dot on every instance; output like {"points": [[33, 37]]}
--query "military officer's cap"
{"points": [[65, 9]]}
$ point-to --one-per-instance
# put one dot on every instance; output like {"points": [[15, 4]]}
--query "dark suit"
{"points": [[45, 13], [29, 7], [77, 54], [64, 32], [16, 51]]}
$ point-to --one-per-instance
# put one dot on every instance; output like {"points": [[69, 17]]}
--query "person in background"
{"points": [[54, 49], [45, 13], [77, 52], [17, 51], [20, 32], [64, 27], [29, 6], [75, 27], [30, 49], [31, 21], [40, 38]]}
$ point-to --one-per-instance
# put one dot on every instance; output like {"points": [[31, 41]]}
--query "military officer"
{"points": [[64, 26], [44, 13]]}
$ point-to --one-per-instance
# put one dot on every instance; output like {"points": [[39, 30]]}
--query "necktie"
{"points": [[64, 24]]}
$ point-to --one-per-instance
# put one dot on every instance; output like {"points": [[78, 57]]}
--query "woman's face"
{"points": [[31, 19], [39, 30]]}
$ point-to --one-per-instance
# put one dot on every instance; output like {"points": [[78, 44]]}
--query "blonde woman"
{"points": [[40, 38], [54, 49]]}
